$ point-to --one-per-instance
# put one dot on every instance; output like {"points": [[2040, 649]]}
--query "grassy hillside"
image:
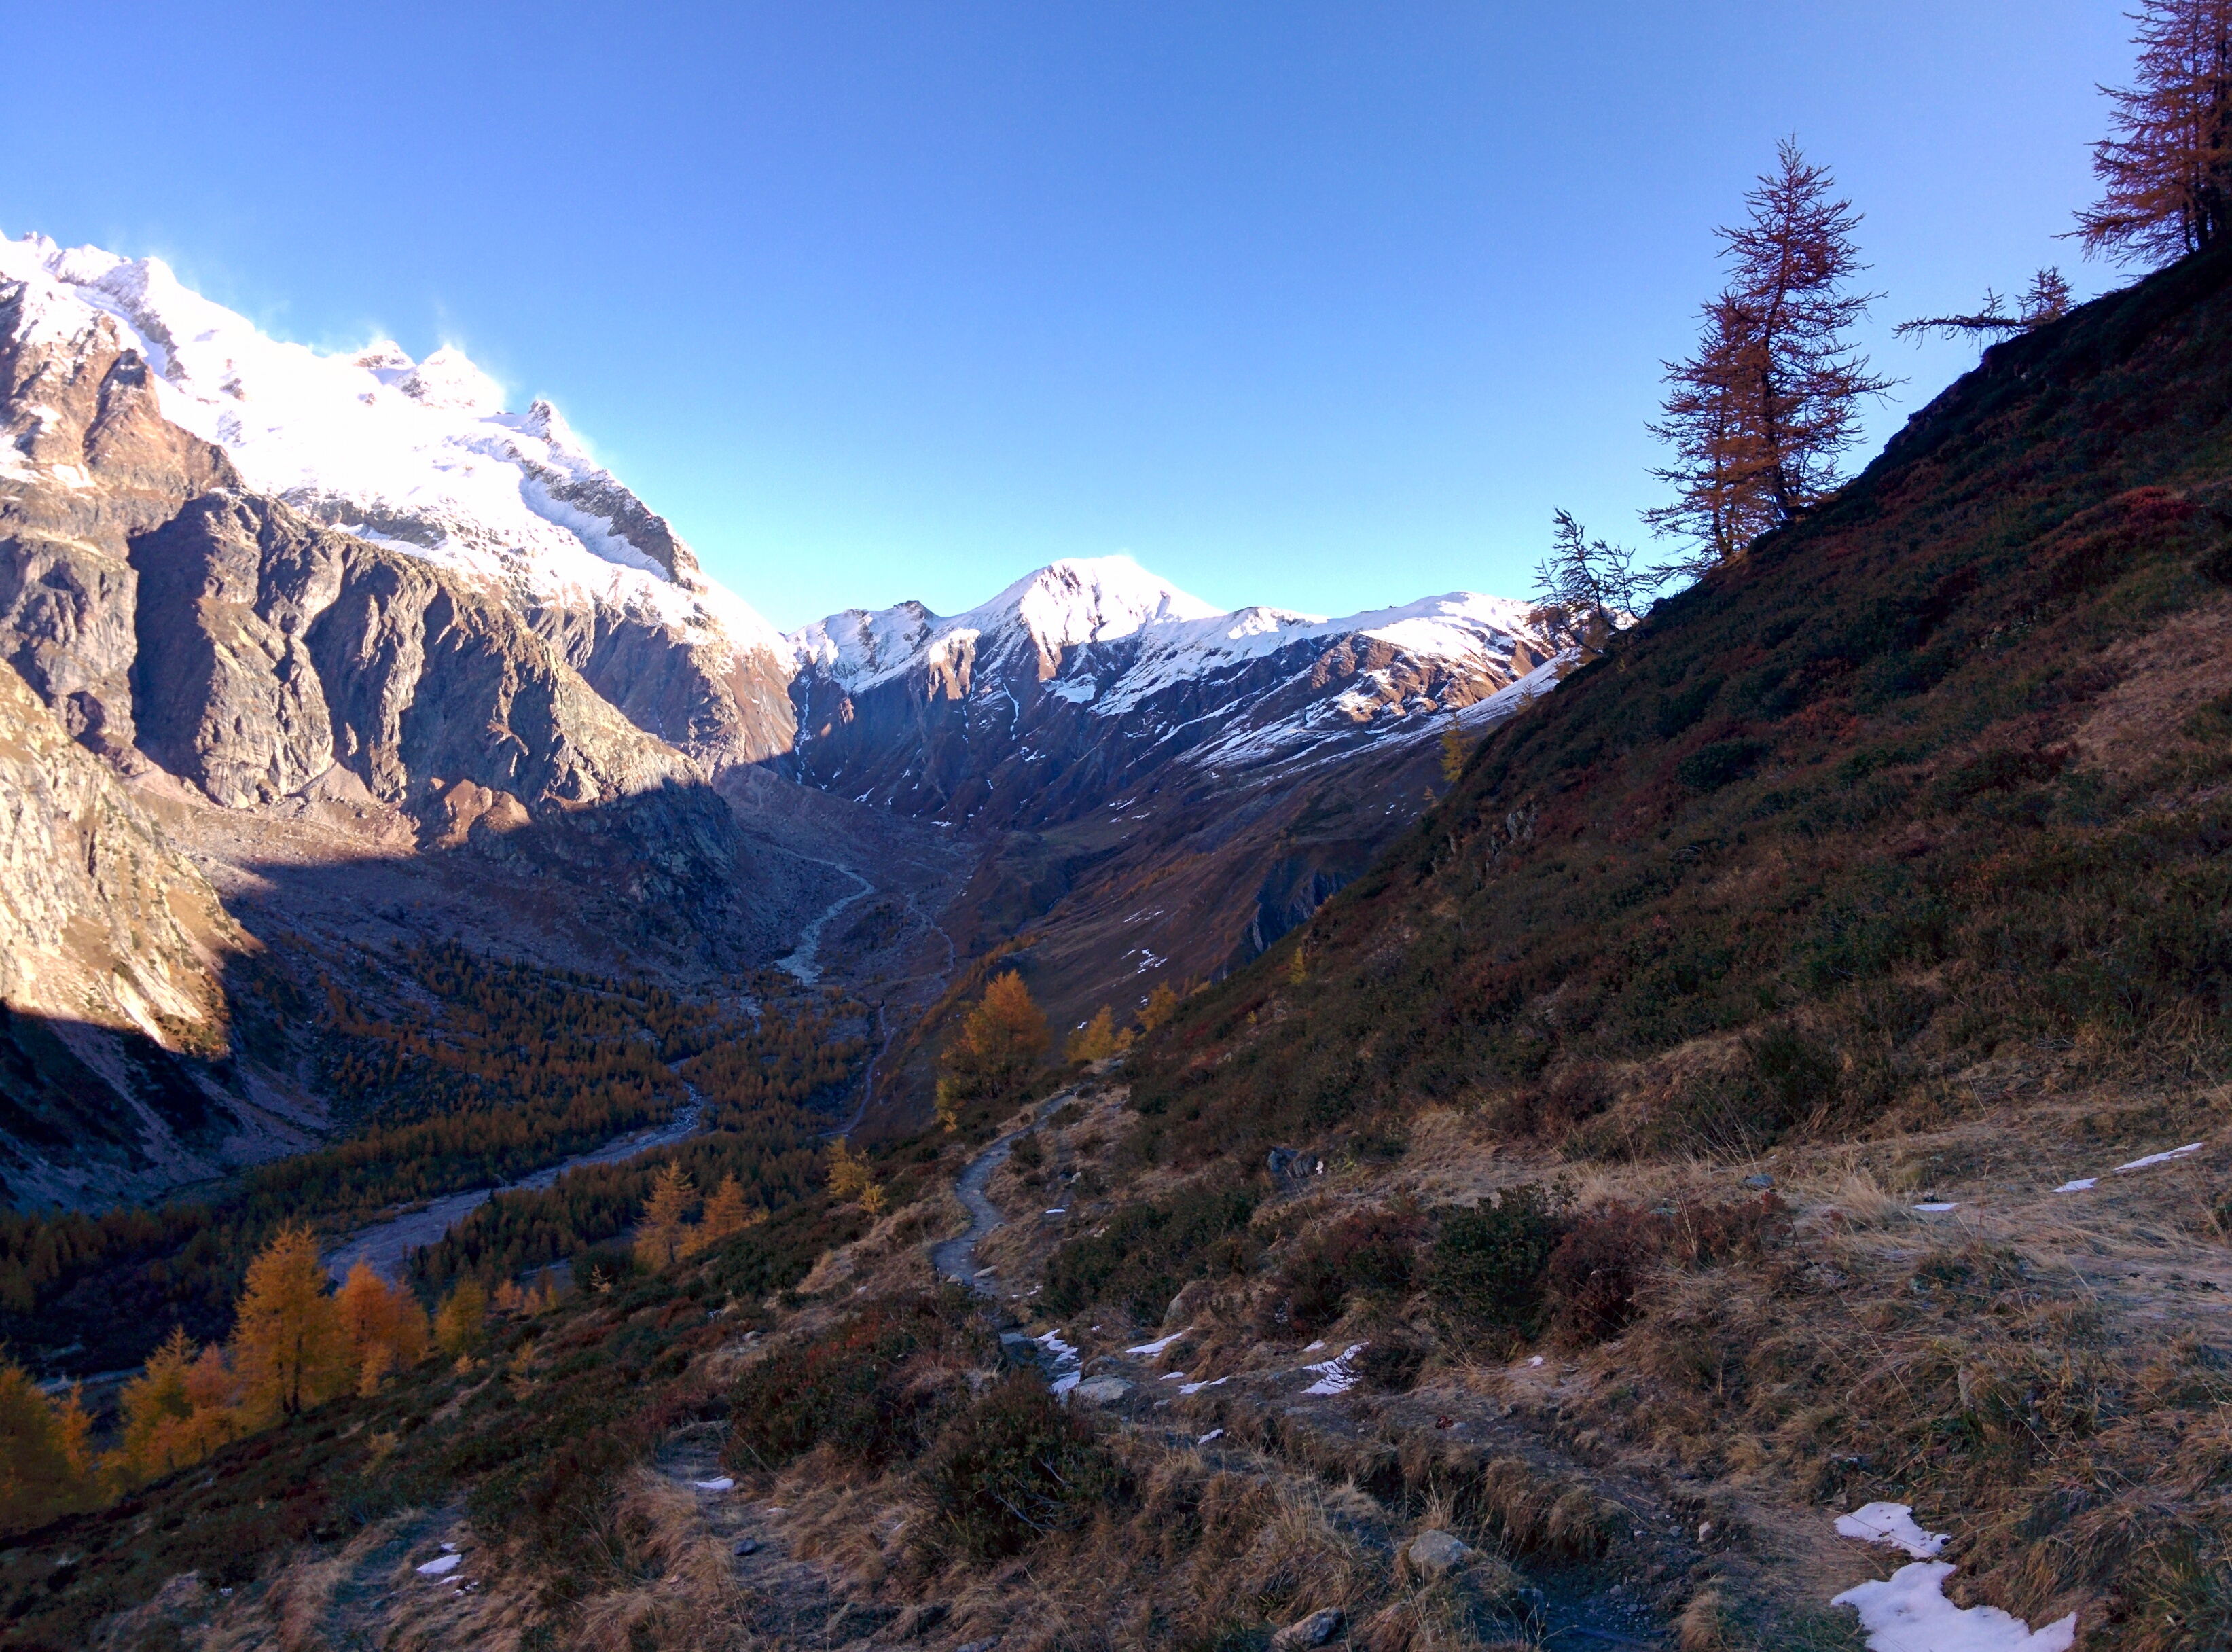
{"points": [[1933, 779], [1888, 864]]}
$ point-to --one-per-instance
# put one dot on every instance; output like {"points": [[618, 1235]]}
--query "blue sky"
{"points": [[1328, 306]]}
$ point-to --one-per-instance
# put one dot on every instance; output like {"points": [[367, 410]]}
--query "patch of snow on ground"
{"points": [[2190, 1149], [2086, 1184], [1908, 1612], [1158, 1347], [442, 1567], [1214, 1434], [1067, 1373], [1339, 1373], [722, 1484], [1937, 1205], [1196, 1388], [1893, 1523]]}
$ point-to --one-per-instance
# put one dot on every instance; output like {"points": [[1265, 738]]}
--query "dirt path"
{"points": [[955, 1258]]}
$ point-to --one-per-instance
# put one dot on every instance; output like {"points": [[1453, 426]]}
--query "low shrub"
{"points": [[875, 1389], [1486, 1268], [1720, 763], [1593, 1275], [1017, 1467], [1372, 1253], [1146, 1252], [1391, 1364]]}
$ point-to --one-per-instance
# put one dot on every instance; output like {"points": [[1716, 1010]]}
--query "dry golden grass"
{"points": [[683, 1593]]}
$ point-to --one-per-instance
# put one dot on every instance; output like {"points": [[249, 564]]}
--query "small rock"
{"points": [[1434, 1555], [1762, 1180], [1314, 1630], [748, 1545], [1100, 1390]]}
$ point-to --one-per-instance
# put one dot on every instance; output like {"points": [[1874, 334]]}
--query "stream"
{"points": [[387, 1245], [799, 962]]}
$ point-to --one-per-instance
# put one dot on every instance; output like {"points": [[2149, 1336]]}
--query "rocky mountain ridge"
{"points": [[1084, 678], [350, 592]]}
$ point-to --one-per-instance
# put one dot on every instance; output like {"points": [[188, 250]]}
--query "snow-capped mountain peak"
{"points": [[417, 455], [449, 381]]}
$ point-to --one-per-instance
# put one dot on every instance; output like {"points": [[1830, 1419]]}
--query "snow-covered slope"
{"points": [[1094, 670], [421, 456]]}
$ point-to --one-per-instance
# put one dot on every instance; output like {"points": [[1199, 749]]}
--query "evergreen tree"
{"points": [[286, 1332], [1757, 418], [2166, 171]]}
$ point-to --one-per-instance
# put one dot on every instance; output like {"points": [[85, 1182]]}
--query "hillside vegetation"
{"points": [[1703, 1124], [1887, 863]]}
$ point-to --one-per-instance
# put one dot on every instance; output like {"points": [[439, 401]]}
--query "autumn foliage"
{"points": [[2165, 171], [999, 1047], [295, 1343], [1757, 418]]}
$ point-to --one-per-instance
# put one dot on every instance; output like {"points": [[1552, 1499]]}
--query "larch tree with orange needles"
{"points": [[1758, 417], [659, 1237], [2166, 169], [383, 1325], [1000, 1044], [287, 1335]]}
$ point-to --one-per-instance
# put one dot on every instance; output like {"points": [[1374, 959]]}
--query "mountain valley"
{"points": [[1602, 1133]]}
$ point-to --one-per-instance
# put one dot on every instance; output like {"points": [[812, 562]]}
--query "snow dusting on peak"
{"points": [[448, 379], [420, 456], [1088, 599]]}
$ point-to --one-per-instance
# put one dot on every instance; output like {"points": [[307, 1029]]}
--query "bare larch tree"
{"points": [[2046, 299]]}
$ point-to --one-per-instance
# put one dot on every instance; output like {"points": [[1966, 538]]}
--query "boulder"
{"points": [[1100, 1390], [1434, 1555], [1314, 1630]]}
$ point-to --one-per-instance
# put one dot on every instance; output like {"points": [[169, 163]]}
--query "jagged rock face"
{"points": [[270, 648], [99, 914], [112, 946], [87, 460], [1089, 680], [421, 458]]}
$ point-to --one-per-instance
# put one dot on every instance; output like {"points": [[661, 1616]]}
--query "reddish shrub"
{"points": [[1372, 1251], [1596, 1268]]}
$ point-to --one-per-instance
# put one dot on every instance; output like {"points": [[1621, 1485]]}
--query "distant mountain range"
{"points": [[351, 591], [1095, 671]]}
